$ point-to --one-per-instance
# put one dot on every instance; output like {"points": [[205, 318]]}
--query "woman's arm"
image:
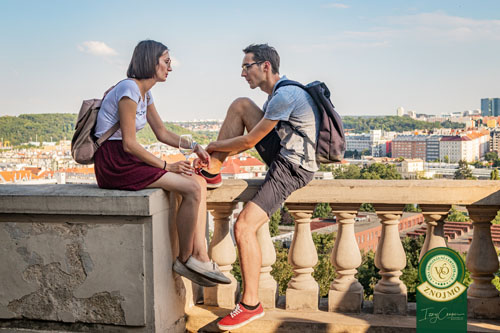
{"points": [[168, 137], [127, 110], [161, 133]]}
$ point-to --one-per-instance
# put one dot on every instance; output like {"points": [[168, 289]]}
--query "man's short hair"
{"points": [[145, 58], [264, 52]]}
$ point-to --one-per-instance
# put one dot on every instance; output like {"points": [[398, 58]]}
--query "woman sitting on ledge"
{"points": [[122, 163]]}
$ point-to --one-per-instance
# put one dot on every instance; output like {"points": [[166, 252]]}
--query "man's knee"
{"points": [[249, 221], [242, 103], [243, 227], [242, 106]]}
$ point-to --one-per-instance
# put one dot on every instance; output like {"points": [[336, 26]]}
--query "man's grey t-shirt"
{"points": [[294, 105]]}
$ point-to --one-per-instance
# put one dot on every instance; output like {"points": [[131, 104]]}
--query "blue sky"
{"points": [[427, 56]]}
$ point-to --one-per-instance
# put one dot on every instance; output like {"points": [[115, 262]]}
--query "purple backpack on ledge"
{"points": [[330, 142]]}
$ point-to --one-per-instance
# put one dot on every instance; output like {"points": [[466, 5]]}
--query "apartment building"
{"points": [[410, 146]]}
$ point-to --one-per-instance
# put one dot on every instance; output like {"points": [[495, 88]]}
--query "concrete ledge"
{"points": [[77, 200], [76, 257]]}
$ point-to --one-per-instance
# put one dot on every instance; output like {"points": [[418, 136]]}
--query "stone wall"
{"points": [[75, 256]]}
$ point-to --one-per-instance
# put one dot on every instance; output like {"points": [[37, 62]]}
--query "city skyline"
{"points": [[428, 57]]}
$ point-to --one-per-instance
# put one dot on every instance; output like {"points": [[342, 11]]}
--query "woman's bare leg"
{"points": [[199, 237], [191, 213]]}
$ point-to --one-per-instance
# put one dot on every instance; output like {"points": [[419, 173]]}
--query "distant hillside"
{"points": [[60, 126], [393, 123]]}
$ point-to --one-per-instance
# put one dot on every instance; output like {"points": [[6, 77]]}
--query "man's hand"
{"points": [[211, 147], [203, 155]]}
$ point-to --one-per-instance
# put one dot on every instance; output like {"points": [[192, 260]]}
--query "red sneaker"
{"points": [[212, 182], [240, 317]]}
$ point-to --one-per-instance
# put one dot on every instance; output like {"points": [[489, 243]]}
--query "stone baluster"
{"points": [[434, 218], [482, 261], [303, 291], [346, 293], [390, 295], [267, 284], [223, 252]]}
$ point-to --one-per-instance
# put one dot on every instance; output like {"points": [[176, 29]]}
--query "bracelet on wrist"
{"points": [[164, 165]]}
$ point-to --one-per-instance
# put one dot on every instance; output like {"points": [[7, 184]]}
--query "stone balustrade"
{"points": [[435, 197], [78, 255]]}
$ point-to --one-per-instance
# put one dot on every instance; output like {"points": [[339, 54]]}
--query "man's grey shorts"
{"points": [[282, 178]]}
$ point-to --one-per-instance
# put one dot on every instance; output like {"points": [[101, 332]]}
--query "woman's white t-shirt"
{"points": [[108, 114]]}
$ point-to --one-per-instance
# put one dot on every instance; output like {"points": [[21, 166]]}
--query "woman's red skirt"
{"points": [[116, 169]]}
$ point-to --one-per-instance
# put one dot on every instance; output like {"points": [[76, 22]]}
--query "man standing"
{"points": [[284, 134]]}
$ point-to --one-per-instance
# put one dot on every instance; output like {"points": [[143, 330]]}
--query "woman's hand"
{"points": [[183, 167], [202, 155], [199, 164]]}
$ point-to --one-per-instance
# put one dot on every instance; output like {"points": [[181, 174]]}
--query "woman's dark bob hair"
{"points": [[144, 60]]}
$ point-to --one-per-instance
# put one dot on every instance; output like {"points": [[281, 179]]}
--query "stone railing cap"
{"points": [[77, 199]]}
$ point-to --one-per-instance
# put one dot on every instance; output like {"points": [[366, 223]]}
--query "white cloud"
{"points": [[439, 25], [336, 5], [426, 28], [96, 48]]}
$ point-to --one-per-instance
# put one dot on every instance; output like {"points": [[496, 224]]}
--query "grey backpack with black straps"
{"points": [[330, 142]]}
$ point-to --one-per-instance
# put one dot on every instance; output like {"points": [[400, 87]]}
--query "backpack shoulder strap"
{"points": [[108, 134], [115, 127], [285, 83]]}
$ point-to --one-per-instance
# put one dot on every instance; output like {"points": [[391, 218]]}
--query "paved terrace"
{"points": [[77, 258]]}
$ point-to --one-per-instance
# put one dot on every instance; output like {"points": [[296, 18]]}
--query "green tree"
{"points": [[456, 216], [412, 208], [463, 171], [368, 274], [347, 172], [446, 159], [491, 156], [496, 220], [494, 174], [393, 123], [324, 272], [380, 171], [282, 271], [366, 207], [322, 210], [412, 247], [274, 222]]}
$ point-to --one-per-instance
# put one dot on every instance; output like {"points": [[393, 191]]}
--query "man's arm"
{"points": [[244, 142]]}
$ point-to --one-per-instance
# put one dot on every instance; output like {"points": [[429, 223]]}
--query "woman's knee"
{"points": [[193, 190], [202, 182]]}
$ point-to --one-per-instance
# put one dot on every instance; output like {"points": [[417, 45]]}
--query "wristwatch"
{"points": [[193, 145]]}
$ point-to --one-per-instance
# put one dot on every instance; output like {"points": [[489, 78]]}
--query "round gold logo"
{"points": [[441, 271]]}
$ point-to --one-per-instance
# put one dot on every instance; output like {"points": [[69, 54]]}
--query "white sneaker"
{"points": [[209, 270], [181, 269]]}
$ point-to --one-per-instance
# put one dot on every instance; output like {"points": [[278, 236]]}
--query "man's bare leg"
{"points": [[242, 114], [251, 218]]}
